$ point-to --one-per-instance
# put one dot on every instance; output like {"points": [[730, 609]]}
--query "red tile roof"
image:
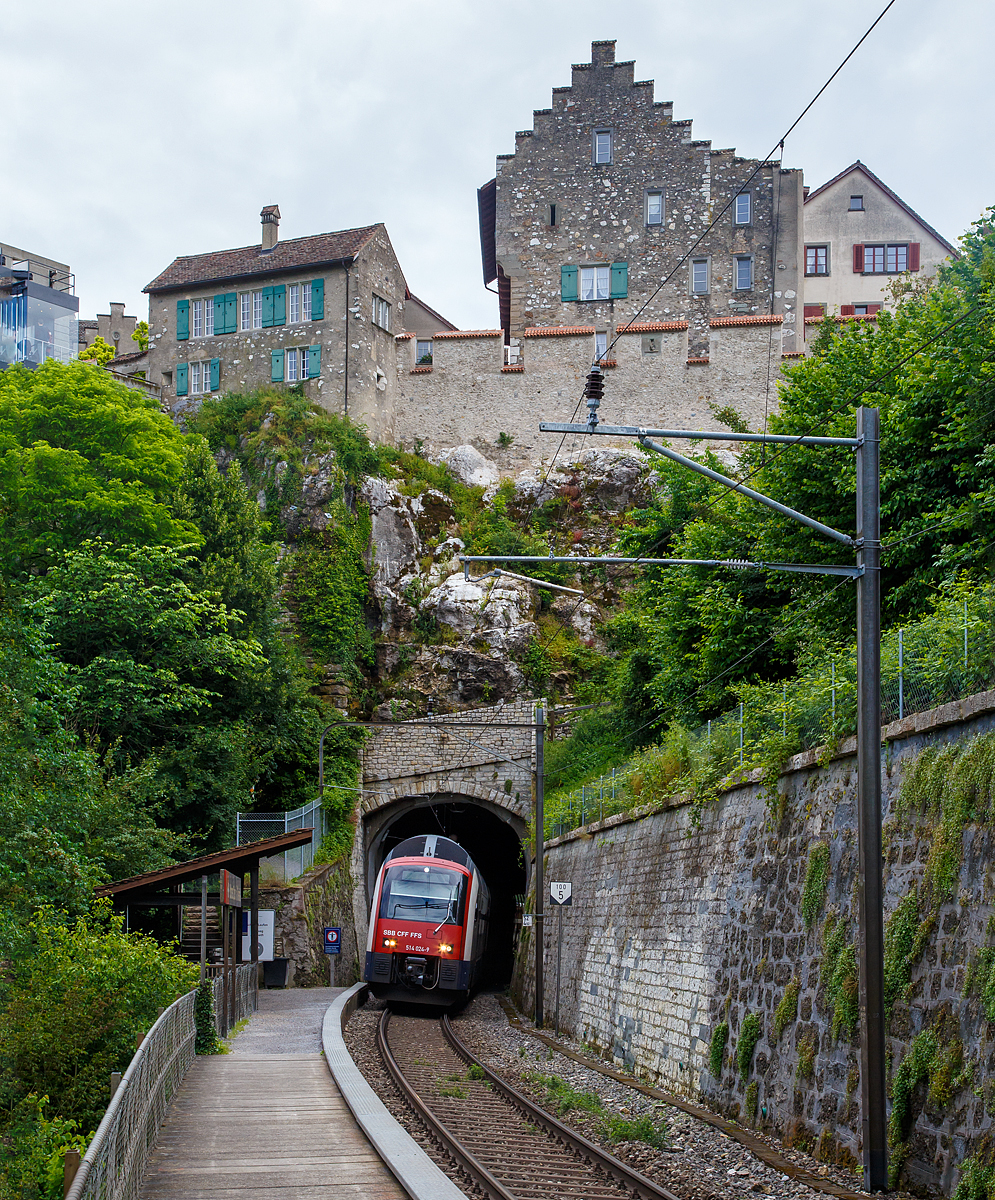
{"points": [[506, 370], [466, 333], [695, 361], [557, 330], [840, 319], [654, 327], [718, 322], [247, 261], [420, 371]]}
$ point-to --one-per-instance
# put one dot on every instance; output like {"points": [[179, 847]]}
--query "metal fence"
{"points": [[946, 656], [114, 1163], [254, 826]]}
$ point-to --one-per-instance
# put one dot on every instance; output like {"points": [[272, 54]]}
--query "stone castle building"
{"points": [[612, 235]]}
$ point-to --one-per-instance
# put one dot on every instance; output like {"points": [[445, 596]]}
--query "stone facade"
{"points": [[354, 368], [469, 397], [678, 925], [607, 176]]}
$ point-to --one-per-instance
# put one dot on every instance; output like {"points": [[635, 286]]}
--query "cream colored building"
{"points": [[859, 235]]}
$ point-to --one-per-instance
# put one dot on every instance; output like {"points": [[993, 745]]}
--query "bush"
{"points": [[717, 1048], [32, 1151], [749, 1035], [79, 1000]]}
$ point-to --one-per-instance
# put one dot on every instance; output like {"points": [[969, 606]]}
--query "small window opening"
{"points": [[856, 204], [552, 214]]}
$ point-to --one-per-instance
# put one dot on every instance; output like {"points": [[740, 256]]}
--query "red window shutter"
{"points": [[858, 258], [814, 310], [874, 308], [848, 310], [913, 256]]}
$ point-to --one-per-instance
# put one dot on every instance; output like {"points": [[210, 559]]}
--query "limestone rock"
{"points": [[470, 467], [395, 542], [498, 612]]}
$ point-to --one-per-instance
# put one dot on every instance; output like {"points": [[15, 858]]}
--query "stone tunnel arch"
{"points": [[474, 786]]}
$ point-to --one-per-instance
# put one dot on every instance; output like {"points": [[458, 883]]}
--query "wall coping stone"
{"points": [[766, 319], [465, 333]]}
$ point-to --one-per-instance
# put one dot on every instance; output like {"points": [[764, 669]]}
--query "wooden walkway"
{"points": [[267, 1120]]}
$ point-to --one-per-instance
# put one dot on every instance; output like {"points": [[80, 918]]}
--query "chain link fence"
{"points": [[253, 827], [947, 656]]}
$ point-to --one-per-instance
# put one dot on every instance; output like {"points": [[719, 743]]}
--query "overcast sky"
{"points": [[136, 132]]}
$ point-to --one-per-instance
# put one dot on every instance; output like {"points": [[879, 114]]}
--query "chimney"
{"points": [[271, 227]]}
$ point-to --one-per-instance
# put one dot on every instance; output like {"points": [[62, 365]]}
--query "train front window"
{"points": [[422, 894]]}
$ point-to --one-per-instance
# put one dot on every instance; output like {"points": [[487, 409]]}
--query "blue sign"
{"points": [[333, 939]]}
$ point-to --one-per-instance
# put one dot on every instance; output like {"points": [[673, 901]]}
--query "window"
{"points": [[743, 214], [881, 260], [203, 318], [699, 276], [423, 352], [299, 362], [602, 146], [381, 313], [744, 272], [291, 366], [299, 299], [600, 346], [552, 214], [252, 310], [423, 894], [204, 376], [816, 260], [595, 283], [654, 208], [856, 204], [862, 310]]}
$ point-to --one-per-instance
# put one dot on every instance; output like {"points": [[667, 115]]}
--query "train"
{"points": [[429, 924]]}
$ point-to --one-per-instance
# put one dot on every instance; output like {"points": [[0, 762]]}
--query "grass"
{"points": [[636, 1129]]}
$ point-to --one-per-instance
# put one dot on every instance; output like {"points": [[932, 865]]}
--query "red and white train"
{"points": [[428, 924]]}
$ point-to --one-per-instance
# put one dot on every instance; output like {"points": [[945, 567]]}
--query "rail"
{"points": [[114, 1163], [246, 975]]}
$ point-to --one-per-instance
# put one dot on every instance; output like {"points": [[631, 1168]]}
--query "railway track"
{"points": [[512, 1149]]}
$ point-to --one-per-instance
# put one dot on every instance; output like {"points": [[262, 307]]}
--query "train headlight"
{"points": [[446, 949], [389, 942]]}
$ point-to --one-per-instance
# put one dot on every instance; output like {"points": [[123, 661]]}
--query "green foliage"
{"points": [[33, 1147], [749, 1034], [816, 881], [977, 1174], [141, 335], [717, 1048], [79, 999], [838, 976], [787, 1010], [207, 1041], [635, 1129], [329, 586], [505, 439], [562, 1096], [806, 1057], [82, 456], [913, 1071], [902, 948], [99, 352], [752, 1100], [476, 1071]]}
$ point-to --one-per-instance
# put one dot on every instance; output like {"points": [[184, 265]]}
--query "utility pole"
{"points": [[540, 836], [873, 1065]]}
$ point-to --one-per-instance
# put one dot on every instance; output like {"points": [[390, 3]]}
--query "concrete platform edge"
{"points": [[414, 1170]]}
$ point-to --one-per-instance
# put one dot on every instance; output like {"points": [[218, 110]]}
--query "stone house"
{"points": [[320, 312], [114, 327], [608, 195], [859, 236]]}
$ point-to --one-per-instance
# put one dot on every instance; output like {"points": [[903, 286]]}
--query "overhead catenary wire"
{"points": [[712, 224]]}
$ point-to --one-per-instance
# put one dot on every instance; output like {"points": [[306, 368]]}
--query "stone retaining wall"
{"points": [[678, 926]]}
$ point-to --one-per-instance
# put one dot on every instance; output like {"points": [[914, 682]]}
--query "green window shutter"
{"points": [[280, 304], [182, 320], [219, 315], [182, 370], [568, 283], [231, 312], [268, 309], [313, 362], [317, 299], [620, 281], [215, 374], [276, 366]]}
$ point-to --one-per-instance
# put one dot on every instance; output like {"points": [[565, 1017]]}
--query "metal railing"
{"points": [[254, 826], [114, 1163], [948, 655]]}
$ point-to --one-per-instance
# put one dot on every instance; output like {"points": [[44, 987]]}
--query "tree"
{"points": [[82, 456], [99, 351], [141, 335]]}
